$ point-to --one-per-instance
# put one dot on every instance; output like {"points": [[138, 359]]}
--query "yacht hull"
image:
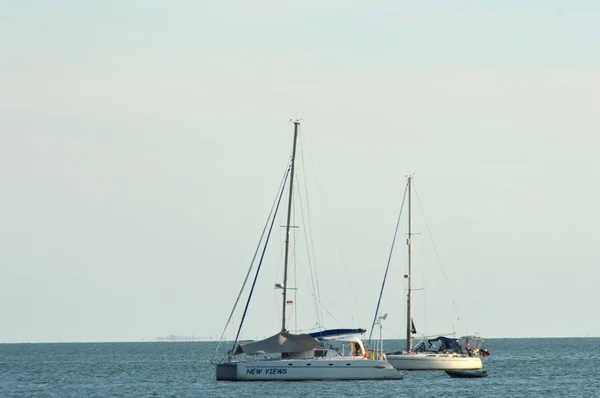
{"points": [[308, 369], [425, 361]]}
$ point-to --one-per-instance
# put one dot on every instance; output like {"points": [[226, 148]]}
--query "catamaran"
{"points": [[306, 356], [431, 352]]}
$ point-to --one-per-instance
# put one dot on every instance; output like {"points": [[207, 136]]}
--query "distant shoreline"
{"points": [[230, 341]]}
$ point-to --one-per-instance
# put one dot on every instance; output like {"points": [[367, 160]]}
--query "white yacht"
{"points": [[311, 356], [441, 353], [306, 357], [432, 352]]}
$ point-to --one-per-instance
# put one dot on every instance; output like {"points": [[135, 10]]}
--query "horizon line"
{"points": [[216, 341]]}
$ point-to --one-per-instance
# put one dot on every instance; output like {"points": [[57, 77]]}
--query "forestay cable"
{"points": [[271, 215], [387, 267], [262, 256]]}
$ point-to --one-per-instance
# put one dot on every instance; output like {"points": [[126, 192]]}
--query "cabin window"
{"points": [[355, 347], [320, 353]]}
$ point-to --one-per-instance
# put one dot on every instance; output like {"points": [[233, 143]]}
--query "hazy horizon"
{"points": [[231, 341], [142, 143]]}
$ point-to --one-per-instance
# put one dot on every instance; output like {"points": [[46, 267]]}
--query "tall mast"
{"points": [[409, 276], [287, 227]]}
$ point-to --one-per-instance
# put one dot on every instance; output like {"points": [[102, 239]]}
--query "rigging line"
{"points": [[326, 310], [276, 202], [313, 277], [294, 268], [396, 334], [387, 267], [281, 239], [312, 244], [260, 262], [315, 326], [437, 255], [326, 208], [262, 256], [295, 304]]}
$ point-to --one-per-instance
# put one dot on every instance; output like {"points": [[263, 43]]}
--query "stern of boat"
{"points": [[227, 371]]}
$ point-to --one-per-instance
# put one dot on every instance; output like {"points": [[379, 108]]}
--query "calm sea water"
{"points": [[517, 368]]}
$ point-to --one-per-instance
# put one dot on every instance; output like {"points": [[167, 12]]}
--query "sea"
{"points": [[526, 367]]}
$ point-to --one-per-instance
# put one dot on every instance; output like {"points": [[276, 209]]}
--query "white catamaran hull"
{"points": [[428, 361], [308, 369]]}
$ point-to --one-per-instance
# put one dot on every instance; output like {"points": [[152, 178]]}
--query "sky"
{"points": [[142, 144]]}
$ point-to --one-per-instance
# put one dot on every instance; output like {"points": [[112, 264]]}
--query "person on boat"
{"points": [[469, 351]]}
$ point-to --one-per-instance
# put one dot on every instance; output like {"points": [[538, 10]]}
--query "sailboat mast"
{"points": [[287, 227], [409, 276]]}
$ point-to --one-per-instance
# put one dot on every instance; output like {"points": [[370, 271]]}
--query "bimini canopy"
{"points": [[439, 344], [281, 342]]}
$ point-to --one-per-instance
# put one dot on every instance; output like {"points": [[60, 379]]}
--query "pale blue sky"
{"points": [[141, 143]]}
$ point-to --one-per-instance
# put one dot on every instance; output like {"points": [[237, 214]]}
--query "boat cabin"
{"points": [[346, 346]]}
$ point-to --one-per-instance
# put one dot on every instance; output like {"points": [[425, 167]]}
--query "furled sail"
{"points": [[323, 334], [281, 342]]}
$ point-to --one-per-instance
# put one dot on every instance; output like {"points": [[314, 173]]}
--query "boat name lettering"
{"points": [[268, 371]]}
